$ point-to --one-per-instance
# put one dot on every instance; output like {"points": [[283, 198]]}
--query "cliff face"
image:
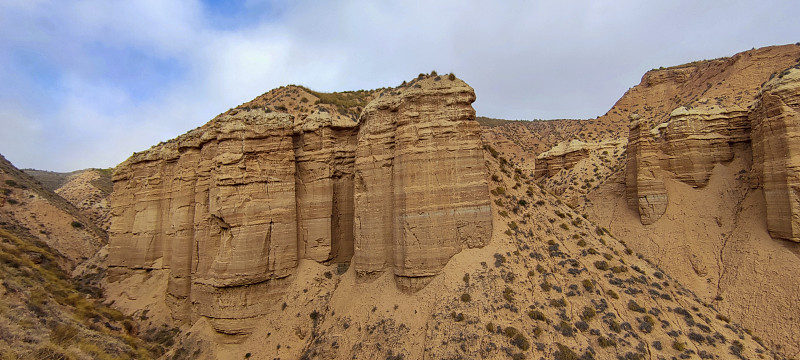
{"points": [[231, 207], [686, 143], [775, 123], [420, 192]]}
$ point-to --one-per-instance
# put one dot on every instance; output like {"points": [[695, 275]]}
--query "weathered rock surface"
{"points": [[420, 181], [566, 154], [645, 188], [688, 141], [775, 123], [231, 207]]}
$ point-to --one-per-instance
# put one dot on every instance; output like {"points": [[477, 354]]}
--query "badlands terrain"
{"points": [[395, 224]]}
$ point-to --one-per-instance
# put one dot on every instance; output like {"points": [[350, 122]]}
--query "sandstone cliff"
{"points": [[775, 122], [708, 186], [230, 208], [685, 129]]}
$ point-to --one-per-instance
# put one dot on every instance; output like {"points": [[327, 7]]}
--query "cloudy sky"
{"points": [[86, 83]]}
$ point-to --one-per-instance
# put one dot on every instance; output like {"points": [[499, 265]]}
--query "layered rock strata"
{"points": [[231, 207], [645, 188], [693, 140], [420, 181], [565, 155], [775, 123]]}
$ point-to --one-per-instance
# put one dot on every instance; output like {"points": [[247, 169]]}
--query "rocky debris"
{"points": [[775, 122], [230, 208]]}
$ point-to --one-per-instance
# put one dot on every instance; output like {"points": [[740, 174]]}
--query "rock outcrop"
{"points": [[565, 155], [231, 207], [645, 188], [775, 122], [420, 181], [686, 143]]}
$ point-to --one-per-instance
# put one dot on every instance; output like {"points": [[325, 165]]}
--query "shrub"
{"points": [[508, 294], [615, 326], [588, 313], [457, 317], [465, 297], [587, 284], [490, 327], [601, 265], [546, 286], [605, 342], [565, 353], [76, 224], [633, 306], [537, 315], [451, 77], [521, 342], [677, 345]]}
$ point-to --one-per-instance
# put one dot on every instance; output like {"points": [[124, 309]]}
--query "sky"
{"points": [[86, 83]]}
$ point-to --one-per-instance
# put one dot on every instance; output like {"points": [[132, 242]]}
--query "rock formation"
{"points": [[645, 189], [231, 207], [775, 122], [566, 154], [686, 143]]}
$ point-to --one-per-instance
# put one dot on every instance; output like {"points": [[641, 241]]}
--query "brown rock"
{"points": [[776, 152], [419, 176], [229, 208], [645, 188]]}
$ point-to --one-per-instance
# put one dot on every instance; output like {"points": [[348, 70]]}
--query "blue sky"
{"points": [[86, 83]]}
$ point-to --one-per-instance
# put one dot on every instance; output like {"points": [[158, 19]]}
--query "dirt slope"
{"points": [[26, 203], [550, 284]]}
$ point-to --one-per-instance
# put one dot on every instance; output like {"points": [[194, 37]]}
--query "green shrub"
{"points": [[588, 313], [633, 306], [587, 284], [537, 315], [565, 353], [601, 265], [605, 342], [508, 294], [677, 345]]}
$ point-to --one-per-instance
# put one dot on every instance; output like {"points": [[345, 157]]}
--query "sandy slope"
{"points": [[714, 240], [551, 280]]}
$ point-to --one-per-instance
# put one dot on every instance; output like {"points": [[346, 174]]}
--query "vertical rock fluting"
{"points": [[697, 115], [644, 187], [775, 123], [420, 181], [231, 207]]}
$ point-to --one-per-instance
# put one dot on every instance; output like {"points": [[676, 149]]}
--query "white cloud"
{"points": [[525, 59]]}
